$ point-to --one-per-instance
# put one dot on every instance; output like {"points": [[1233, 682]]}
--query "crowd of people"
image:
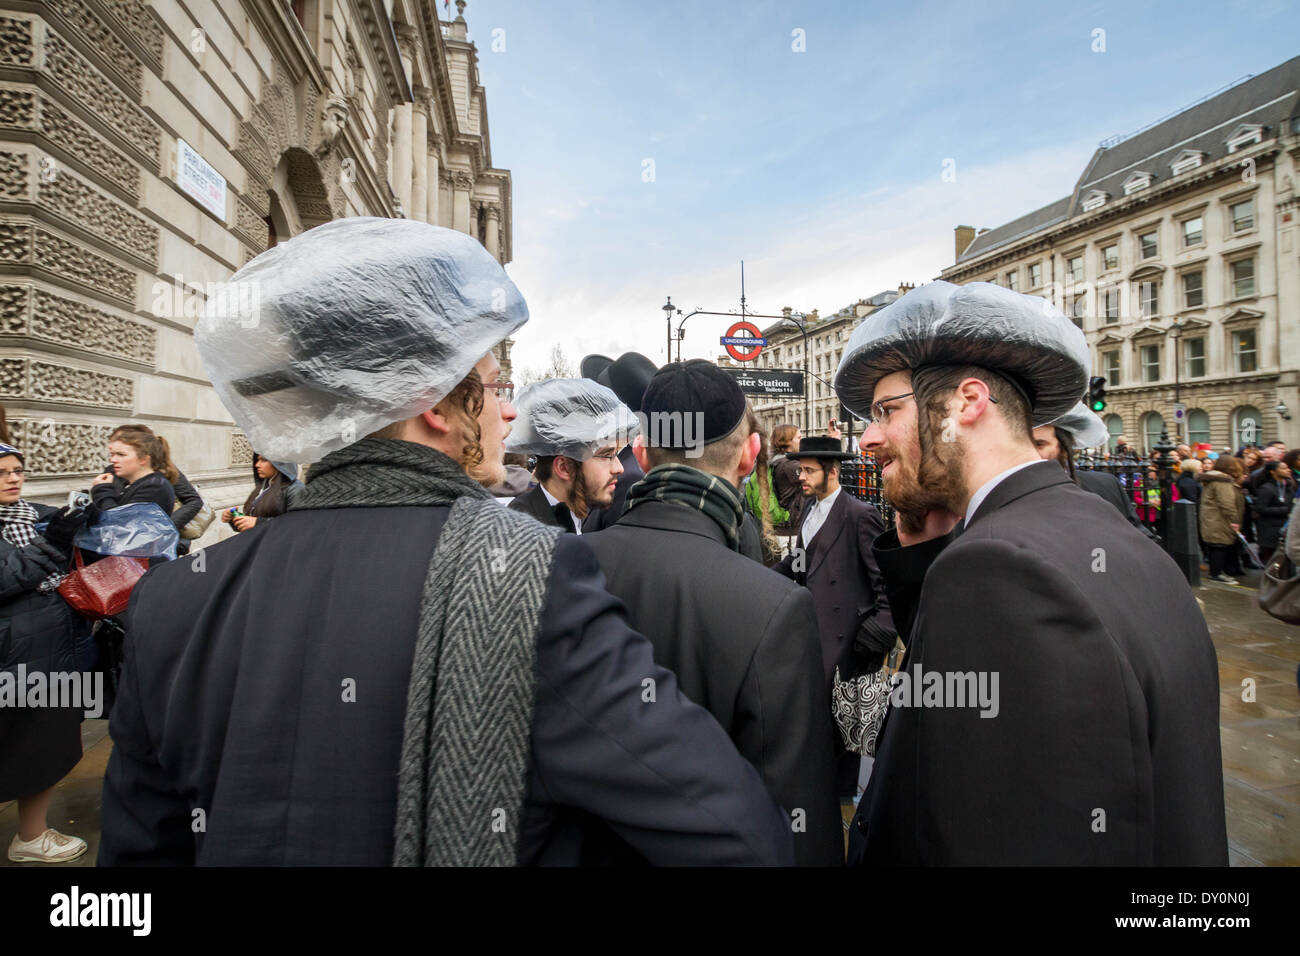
{"points": [[669, 646]]}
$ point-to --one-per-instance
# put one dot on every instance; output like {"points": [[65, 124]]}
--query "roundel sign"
{"points": [[744, 340]]}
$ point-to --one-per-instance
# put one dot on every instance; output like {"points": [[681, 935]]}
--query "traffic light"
{"points": [[1097, 393]]}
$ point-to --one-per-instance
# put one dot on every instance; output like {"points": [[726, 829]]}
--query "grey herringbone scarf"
{"points": [[469, 705]]}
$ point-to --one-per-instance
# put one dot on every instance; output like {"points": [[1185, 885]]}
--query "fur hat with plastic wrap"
{"points": [[349, 327], [1021, 337], [573, 417], [1083, 426]]}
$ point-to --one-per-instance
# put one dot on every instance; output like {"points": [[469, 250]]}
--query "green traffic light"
{"points": [[1098, 406]]}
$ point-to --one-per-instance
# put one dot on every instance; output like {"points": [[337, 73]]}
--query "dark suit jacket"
{"points": [[1108, 704], [533, 502], [1106, 485], [847, 588], [602, 518], [247, 722], [743, 643]]}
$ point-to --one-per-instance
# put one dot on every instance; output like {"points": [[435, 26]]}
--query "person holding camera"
{"points": [[275, 488]]}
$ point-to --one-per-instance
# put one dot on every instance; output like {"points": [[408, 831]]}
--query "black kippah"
{"points": [[694, 386]]}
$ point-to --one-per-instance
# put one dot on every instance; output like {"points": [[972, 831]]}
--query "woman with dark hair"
{"points": [[1271, 505], [1223, 504], [275, 487], [40, 633]]}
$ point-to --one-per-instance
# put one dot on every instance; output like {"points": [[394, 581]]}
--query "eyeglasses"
{"points": [[880, 415], [17, 473], [505, 390], [606, 458]]}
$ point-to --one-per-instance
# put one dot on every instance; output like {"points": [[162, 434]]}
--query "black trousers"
{"points": [[1222, 558]]}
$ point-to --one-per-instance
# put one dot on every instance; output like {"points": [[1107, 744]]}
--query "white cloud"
{"points": [[822, 258]]}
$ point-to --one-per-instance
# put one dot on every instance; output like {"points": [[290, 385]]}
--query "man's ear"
{"points": [[749, 453], [437, 421], [564, 468], [638, 452]]}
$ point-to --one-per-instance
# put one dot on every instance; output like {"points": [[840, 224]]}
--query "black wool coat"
{"points": [[232, 701], [1105, 746], [848, 590], [743, 644], [37, 628], [1271, 506], [1107, 486]]}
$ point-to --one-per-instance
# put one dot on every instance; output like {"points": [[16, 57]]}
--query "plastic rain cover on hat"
{"points": [[982, 324], [349, 327], [1085, 428], [574, 417]]}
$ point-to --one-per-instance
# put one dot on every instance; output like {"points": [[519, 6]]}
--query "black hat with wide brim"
{"points": [[627, 376], [1022, 337], [820, 446]]}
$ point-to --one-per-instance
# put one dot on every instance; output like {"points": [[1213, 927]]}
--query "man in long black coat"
{"points": [[837, 565], [742, 641], [1098, 740]]}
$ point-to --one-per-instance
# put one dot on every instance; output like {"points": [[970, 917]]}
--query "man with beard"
{"points": [[1081, 428], [627, 376], [1103, 747], [450, 684], [833, 560], [742, 641], [575, 427]]}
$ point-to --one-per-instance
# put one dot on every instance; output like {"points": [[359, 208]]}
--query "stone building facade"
{"points": [[1177, 254], [826, 338], [150, 149]]}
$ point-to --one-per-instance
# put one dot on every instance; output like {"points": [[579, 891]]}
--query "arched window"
{"points": [[1198, 426], [1247, 427], [1115, 426], [1153, 423]]}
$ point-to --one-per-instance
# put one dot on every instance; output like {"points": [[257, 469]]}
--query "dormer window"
{"points": [[1137, 182], [1094, 200], [1245, 135], [1186, 161]]}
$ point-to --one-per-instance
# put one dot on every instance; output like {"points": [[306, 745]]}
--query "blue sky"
{"points": [[822, 169]]}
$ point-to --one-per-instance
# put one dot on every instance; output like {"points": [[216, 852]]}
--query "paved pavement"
{"points": [[1260, 739]]}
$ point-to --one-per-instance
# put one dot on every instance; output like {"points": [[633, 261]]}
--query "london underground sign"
{"points": [[744, 341]]}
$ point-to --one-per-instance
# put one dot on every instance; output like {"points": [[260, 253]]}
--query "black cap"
{"points": [[697, 386]]}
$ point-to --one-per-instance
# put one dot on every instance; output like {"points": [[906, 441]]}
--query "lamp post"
{"points": [[668, 308], [1178, 334]]}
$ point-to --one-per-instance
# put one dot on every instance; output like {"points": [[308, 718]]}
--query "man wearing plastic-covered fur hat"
{"points": [[1081, 428], [576, 428], [1058, 703], [364, 346]]}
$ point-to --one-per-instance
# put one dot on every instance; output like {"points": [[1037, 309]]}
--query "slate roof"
{"points": [[1271, 99]]}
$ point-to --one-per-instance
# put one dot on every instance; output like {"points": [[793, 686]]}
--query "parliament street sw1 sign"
{"points": [[744, 340], [767, 381]]}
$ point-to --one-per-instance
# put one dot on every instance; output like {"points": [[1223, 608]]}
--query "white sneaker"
{"points": [[50, 847]]}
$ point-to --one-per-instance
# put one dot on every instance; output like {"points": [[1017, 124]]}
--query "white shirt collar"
{"points": [[553, 501], [977, 499], [825, 504]]}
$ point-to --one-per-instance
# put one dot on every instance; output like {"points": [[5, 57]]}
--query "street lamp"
{"points": [[668, 308], [1178, 333]]}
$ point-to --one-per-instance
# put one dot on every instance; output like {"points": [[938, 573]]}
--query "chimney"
{"points": [[964, 235], [905, 287], [786, 310]]}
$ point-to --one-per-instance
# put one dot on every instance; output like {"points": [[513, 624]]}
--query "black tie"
{"points": [[562, 515]]}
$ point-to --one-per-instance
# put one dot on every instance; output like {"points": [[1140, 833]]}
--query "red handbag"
{"points": [[102, 589]]}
